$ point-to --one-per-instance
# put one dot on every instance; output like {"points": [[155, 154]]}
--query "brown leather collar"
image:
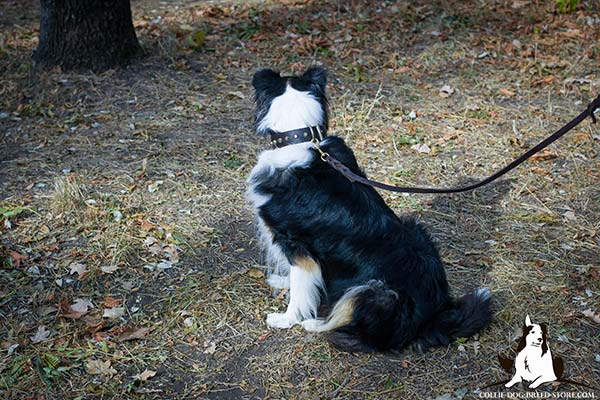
{"points": [[306, 134]]}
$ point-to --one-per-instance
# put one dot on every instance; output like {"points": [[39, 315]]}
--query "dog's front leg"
{"points": [[541, 379], [516, 379], [306, 283]]}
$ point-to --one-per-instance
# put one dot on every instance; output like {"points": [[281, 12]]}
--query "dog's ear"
{"points": [[263, 78], [528, 321], [317, 76]]}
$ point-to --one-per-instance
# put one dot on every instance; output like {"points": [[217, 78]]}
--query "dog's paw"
{"points": [[278, 281], [312, 325], [511, 383], [281, 321], [536, 384]]}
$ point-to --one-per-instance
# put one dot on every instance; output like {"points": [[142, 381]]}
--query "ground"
{"points": [[129, 265]]}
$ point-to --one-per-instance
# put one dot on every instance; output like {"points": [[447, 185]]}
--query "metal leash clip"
{"points": [[315, 142]]}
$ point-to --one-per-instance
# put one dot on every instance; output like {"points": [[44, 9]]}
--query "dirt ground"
{"points": [[129, 266]]}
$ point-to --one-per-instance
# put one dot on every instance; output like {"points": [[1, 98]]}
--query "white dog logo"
{"points": [[534, 361]]}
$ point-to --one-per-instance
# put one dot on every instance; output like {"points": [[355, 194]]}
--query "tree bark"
{"points": [[86, 34]]}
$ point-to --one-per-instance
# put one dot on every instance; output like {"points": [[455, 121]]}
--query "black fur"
{"points": [[356, 238]]}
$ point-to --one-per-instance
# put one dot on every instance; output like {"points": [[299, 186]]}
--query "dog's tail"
{"points": [[462, 318], [374, 317]]}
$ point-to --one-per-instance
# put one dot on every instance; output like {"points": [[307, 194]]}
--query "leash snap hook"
{"points": [[315, 143]]}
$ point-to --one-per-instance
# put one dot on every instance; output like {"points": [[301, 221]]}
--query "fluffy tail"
{"points": [[374, 317], [463, 318]]}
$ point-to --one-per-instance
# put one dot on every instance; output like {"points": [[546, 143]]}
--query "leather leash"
{"points": [[344, 170]]}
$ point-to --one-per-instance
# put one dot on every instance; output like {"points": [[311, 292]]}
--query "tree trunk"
{"points": [[86, 34]]}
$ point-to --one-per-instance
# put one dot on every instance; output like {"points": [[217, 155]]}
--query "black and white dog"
{"points": [[534, 362], [354, 269]]}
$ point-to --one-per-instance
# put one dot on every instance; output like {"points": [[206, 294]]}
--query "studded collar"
{"points": [[295, 136]]}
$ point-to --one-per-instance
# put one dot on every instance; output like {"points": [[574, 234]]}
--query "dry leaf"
{"points": [[109, 269], [544, 155], [41, 335], [256, 273], [209, 347], [144, 376], [81, 269], [133, 333], [110, 302], [16, 258], [237, 94], [446, 91], [75, 310], [520, 3], [421, 148], [115, 312], [98, 367], [570, 215], [506, 92], [81, 306], [171, 252], [594, 316]]}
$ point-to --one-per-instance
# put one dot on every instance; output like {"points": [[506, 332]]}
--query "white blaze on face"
{"points": [[292, 110]]}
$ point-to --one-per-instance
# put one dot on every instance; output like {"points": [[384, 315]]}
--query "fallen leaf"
{"points": [[98, 367], [115, 312], [144, 376], [16, 258], [78, 268], [256, 273], [237, 94], [147, 226], [506, 92], [153, 187], [109, 269], [519, 3], [545, 80], [594, 316], [171, 252], [110, 302], [133, 333], [41, 335], [544, 155], [81, 306], [12, 348], [446, 91], [209, 347], [421, 148]]}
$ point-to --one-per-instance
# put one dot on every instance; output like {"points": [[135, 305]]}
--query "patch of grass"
{"points": [[407, 140], [69, 194], [233, 162], [566, 6]]}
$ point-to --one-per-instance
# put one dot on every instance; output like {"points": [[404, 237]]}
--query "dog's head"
{"points": [[534, 335], [284, 103]]}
